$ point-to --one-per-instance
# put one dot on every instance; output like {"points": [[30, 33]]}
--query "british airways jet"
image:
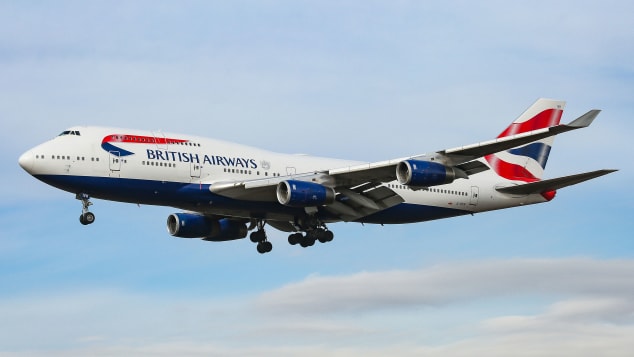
{"points": [[226, 190]]}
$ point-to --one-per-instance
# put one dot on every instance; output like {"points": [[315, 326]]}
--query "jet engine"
{"points": [[189, 225], [426, 173], [304, 194]]}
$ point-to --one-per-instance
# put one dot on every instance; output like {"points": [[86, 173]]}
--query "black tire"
{"points": [[294, 238], [308, 240], [321, 236], [303, 241], [329, 236], [257, 236], [89, 217]]}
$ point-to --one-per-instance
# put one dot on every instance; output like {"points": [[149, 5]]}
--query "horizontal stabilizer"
{"points": [[552, 184]]}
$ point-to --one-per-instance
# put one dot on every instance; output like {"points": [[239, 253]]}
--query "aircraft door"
{"points": [[290, 171], [194, 169], [115, 161], [473, 199], [160, 140]]}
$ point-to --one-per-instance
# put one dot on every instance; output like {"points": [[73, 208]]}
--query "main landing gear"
{"points": [[259, 237], [316, 231], [86, 217], [321, 234]]}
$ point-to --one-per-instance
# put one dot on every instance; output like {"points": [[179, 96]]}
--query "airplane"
{"points": [[224, 190]]}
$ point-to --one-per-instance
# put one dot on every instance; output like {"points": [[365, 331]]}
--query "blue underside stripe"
{"points": [[197, 197]]}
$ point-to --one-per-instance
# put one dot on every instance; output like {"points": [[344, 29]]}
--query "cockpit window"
{"points": [[70, 132]]}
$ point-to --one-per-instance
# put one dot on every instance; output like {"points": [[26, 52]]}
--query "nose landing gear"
{"points": [[86, 217]]}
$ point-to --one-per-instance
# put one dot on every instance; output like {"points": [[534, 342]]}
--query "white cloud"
{"points": [[444, 284], [428, 311]]}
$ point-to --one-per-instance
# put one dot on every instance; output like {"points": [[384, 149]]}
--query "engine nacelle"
{"points": [[426, 173], [189, 225], [304, 194]]}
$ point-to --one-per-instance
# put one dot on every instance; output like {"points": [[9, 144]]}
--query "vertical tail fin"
{"points": [[527, 163]]}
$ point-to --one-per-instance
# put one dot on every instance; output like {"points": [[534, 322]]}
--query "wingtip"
{"points": [[586, 119], [603, 172]]}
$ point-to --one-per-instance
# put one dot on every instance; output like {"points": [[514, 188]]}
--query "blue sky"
{"points": [[353, 79]]}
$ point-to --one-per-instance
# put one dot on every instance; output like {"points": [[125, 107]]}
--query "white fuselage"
{"points": [[178, 170]]}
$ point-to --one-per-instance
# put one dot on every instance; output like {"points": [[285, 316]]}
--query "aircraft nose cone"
{"points": [[26, 161]]}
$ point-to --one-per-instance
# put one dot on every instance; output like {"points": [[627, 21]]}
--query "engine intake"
{"points": [[188, 225], [426, 173], [304, 194]]}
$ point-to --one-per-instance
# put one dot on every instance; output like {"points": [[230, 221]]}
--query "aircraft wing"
{"points": [[352, 201], [359, 190], [470, 152], [462, 157]]}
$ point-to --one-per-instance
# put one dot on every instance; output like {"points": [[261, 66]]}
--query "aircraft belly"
{"points": [[188, 196], [410, 213]]}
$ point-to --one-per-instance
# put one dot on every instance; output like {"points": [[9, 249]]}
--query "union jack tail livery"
{"points": [[527, 163]]}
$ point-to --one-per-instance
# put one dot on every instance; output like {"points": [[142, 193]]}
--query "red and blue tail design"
{"points": [[527, 163]]}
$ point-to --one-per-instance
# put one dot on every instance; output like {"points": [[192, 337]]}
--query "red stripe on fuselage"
{"points": [[139, 139]]}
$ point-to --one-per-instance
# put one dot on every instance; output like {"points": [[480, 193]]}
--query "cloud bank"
{"points": [[585, 307]]}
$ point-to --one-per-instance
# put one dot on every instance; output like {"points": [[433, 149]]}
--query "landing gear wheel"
{"points": [[308, 240], [257, 236], [264, 247], [295, 238], [87, 218], [327, 236]]}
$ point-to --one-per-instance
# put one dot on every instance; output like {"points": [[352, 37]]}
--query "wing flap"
{"points": [[352, 205]]}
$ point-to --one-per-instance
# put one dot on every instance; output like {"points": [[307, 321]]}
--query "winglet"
{"points": [[585, 120]]}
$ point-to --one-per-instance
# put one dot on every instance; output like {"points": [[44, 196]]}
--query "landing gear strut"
{"points": [[259, 237], [86, 217]]}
